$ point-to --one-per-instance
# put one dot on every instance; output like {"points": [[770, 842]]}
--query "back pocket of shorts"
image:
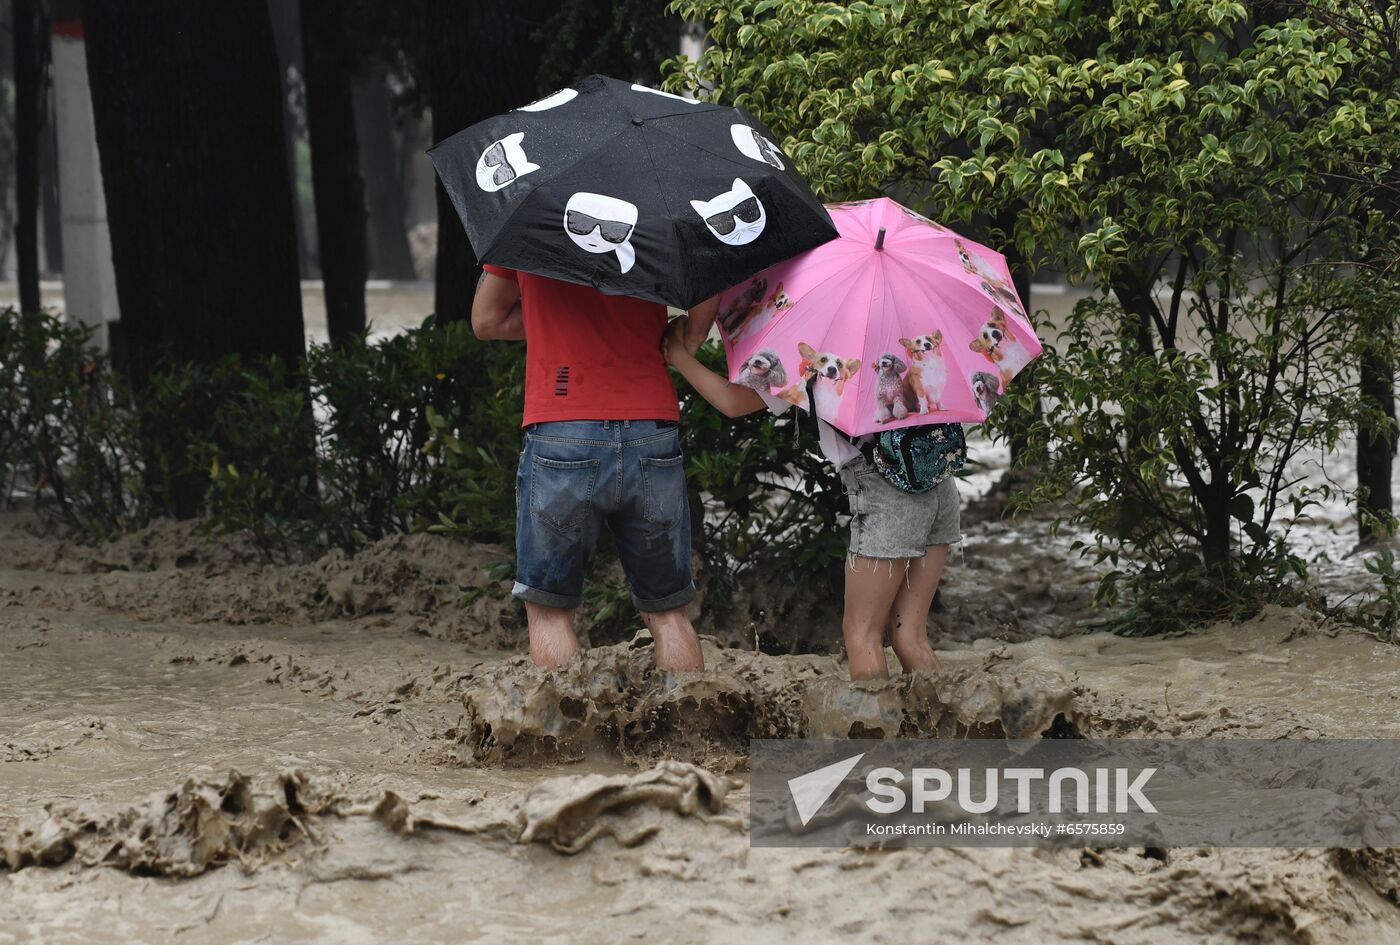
{"points": [[561, 493], [663, 486]]}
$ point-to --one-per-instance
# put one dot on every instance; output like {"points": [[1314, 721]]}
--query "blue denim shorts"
{"points": [[577, 476]]}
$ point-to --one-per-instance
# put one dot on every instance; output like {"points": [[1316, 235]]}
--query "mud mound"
{"points": [[171, 571], [213, 820], [613, 699], [570, 813], [208, 821], [1227, 895], [26, 544], [1379, 869]]}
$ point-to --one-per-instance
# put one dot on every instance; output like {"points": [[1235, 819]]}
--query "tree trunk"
{"points": [[1375, 451], [27, 84], [187, 105], [286, 38], [1217, 546], [48, 169], [335, 166], [480, 64], [1019, 422], [390, 257]]}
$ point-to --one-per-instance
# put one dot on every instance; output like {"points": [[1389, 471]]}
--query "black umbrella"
{"points": [[630, 190]]}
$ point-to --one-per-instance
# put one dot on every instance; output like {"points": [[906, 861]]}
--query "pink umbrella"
{"points": [[900, 321]]}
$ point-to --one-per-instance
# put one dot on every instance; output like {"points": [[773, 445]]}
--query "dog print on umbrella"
{"points": [[986, 390], [754, 146], [999, 345], [830, 371], [993, 283], [889, 388], [779, 301], [928, 375], [735, 217], [503, 163], [749, 310], [763, 371], [916, 215], [744, 306], [552, 100], [598, 223]]}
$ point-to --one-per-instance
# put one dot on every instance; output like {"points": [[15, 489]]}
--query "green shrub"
{"points": [[67, 428], [249, 432], [1383, 613]]}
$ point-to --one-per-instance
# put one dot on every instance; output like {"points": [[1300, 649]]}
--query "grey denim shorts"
{"points": [[889, 523]]}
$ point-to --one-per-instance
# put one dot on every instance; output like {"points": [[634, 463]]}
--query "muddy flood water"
{"points": [[198, 747]]}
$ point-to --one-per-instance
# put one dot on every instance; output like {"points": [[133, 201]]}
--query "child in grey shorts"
{"points": [[899, 540]]}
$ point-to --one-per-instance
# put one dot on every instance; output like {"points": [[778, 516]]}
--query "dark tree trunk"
{"points": [[390, 257], [1219, 535], [1019, 422], [28, 78], [286, 36], [48, 171], [450, 65], [186, 101], [335, 165], [49, 191], [187, 104], [1375, 448], [481, 62]]}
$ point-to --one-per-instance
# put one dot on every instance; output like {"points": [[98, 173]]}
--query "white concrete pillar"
{"points": [[89, 282]]}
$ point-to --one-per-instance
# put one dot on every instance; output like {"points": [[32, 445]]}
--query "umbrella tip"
{"points": [[880, 239]]}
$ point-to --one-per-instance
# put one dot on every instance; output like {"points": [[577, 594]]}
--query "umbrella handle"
{"points": [[880, 239]]}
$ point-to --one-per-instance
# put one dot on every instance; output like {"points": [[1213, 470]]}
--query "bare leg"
{"points": [[677, 646], [909, 615], [552, 639], [871, 585]]}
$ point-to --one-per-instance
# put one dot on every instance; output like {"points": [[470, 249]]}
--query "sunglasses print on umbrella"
{"points": [[766, 151], [723, 223], [581, 224], [495, 156]]}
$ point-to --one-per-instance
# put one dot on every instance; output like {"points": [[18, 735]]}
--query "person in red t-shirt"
{"points": [[602, 448]]}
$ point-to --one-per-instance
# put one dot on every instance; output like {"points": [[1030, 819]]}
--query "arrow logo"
{"points": [[811, 790]]}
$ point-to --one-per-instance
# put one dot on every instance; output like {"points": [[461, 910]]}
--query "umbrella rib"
{"points": [[661, 192], [869, 316]]}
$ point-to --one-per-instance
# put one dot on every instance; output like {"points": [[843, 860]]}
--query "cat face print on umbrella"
{"points": [[630, 190], [735, 217], [552, 100], [601, 224], [503, 163], [753, 145]]}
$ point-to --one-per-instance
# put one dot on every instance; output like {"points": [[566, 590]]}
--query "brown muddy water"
{"points": [[197, 747]]}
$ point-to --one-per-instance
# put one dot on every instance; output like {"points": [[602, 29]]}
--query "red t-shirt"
{"points": [[590, 356]]}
